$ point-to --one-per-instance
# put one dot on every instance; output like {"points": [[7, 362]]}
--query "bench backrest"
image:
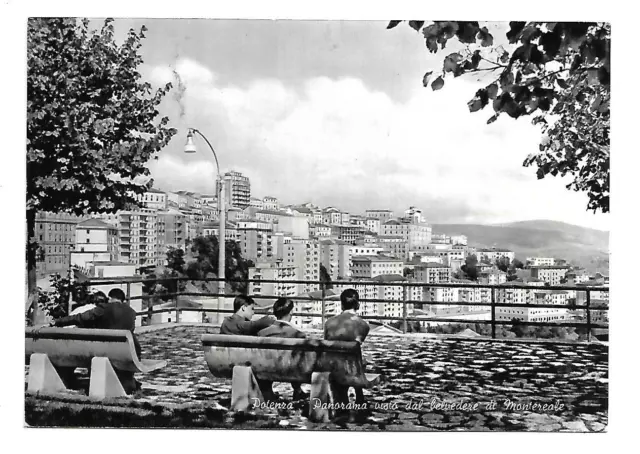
{"points": [[75, 347], [284, 359]]}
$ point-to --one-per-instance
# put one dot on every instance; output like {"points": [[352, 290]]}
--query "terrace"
{"points": [[429, 383]]}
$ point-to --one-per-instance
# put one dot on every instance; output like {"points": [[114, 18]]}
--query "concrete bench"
{"points": [[321, 363], [104, 351]]}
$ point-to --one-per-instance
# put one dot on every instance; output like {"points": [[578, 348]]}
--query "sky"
{"points": [[334, 112]]}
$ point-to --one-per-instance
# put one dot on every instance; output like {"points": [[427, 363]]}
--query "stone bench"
{"points": [[104, 351], [318, 362]]}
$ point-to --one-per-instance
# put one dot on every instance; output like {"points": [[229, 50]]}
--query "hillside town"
{"points": [[305, 242]]}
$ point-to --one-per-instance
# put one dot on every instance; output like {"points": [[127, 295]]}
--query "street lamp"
{"points": [[190, 147]]}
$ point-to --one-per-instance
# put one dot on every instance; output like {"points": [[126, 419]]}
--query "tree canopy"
{"points": [[557, 72], [92, 123]]}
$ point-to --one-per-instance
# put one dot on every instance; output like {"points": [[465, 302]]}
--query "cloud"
{"points": [[338, 142]]}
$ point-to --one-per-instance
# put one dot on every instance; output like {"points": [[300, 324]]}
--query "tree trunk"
{"points": [[32, 289]]}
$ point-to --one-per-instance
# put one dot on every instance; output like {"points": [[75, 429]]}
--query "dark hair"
{"points": [[117, 294], [242, 300], [98, 297], [350, 299], [282, 307]]}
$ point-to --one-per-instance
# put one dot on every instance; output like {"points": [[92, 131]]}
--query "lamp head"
{"points": [[190, 147]]}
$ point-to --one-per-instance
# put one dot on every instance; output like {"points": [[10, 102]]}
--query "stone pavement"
{"points": [[427, 384]]}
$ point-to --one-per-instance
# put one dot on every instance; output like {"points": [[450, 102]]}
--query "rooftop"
{"points": [[572, 376], [95, 224]]}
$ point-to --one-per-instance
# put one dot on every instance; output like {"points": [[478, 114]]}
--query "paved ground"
{"points": [[427, 384]]}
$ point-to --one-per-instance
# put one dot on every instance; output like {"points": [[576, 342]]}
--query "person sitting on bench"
{"points": [[282, 327], [347, 326], [240, 323], [111, 314]]}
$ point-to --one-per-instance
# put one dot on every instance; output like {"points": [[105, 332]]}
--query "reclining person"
{"points": [[111, 314], [347, 326], [283, 327], [240, 323]]}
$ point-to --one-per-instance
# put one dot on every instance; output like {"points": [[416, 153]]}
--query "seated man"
{"points": [[240, 323], [282, 327], [111, 314], [347, 326]]}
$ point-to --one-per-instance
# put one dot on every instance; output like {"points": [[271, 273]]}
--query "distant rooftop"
{"points": [[374, 258], [95, 224]]}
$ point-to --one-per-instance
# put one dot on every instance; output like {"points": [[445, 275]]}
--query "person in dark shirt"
{"points": [[347, 326], [240, 323], [111, 314], [282, 327]]}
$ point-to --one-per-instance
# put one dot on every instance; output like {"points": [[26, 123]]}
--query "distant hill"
{"points": [[578, 245]]}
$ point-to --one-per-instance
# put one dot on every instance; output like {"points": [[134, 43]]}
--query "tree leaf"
{"points": [[425, 79], [492, 119], [486, 39], [393, 23], [451, 62], [437, 84], [416, 24], [492, 90]]}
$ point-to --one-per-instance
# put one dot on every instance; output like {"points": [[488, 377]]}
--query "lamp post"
{"points": [[190, 147]]}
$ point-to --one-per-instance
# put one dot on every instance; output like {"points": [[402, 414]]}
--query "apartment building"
{"points": [[540, 261], [154, 199], [272, 271], [494, 254], [270, 203], [552, 275], [365, 250], [395, 245], [258, 243], [432, 273], [237, 189], [348, 233], [213, 229], [416, 236], [370, 266], [95, 241], [138, 237], [492, 277], [295, 226], [382, 215], [55, 235], [335, 256], [304, 255], [172, 230], [372, 225], [319, 231]]}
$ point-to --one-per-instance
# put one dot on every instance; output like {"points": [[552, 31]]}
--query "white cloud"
{"points": [[338, 142]]}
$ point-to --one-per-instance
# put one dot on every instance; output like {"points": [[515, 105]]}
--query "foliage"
{"points": [[503, 263], [408, 272], [557, 72], [469, 268], [91, 121], [175, 260], [325, 277], [55, 303], [205, 251]]}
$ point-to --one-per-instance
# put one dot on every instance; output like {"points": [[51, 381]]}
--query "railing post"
{"points": [[323, 307], [129, 293], [404, 309], [493, 313], [588, 315], [149, 309], [177, 309]]}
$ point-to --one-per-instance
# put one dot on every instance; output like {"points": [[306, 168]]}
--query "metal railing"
{"points": [[323, 298]]}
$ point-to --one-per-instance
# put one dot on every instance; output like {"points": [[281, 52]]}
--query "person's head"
{"points": [[116, 295], [282, 309], [98, 297], [350, 299], [244, 306]]}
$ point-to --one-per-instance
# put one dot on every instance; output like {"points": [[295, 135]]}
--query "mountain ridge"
{"points": [[579, 245]]}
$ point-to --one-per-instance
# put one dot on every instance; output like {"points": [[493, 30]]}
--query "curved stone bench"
{"points": [[319, 362], [102, 350]]}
